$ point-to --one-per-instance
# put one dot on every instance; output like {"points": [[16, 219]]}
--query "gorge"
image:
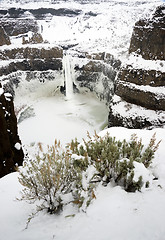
{"points": [[33, 68]]}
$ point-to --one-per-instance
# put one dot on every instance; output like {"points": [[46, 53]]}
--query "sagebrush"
{"points": [[70, 175]]}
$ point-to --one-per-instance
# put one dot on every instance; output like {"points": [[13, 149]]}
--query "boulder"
{"points": [[4, 38], [11, 153]]}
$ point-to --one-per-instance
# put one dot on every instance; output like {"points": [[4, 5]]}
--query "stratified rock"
{"points": [[4, 38], [32, 65], [151, 98], [11, 154], [129, 115], [31, 53], [142, 77], [148, 38], [140, 87], [14, 27], [142, 94]]}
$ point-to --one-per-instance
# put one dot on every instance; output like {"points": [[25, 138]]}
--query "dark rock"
{"points": [[98, 74], [142, 77], [148, 38], [4, 38], [32, 65], [142, 97], [131, 116], [142, 91], [14, 27], [36, 38], [11, 154], [31, 53], [40, 13]]}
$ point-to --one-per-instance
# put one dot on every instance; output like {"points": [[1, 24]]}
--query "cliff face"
{"points": [[148, 38], [140, 86], [11, 153], [98, 74]]}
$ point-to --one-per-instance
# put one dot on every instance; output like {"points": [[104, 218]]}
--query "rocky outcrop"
{"points": [[11, 154], [148, 37], [140, 87], [32, 53], [33, 59], [4, 38], [15, 27], [32, 65], [98, 74], [36, 38]]}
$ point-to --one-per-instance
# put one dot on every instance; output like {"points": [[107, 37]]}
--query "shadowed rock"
{"points": [[11, 154]]}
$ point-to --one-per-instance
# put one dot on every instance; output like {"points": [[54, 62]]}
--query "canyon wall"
{"points": [[139, 99]]}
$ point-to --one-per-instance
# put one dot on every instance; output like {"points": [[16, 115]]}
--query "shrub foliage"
{"points": [[61, 176]]}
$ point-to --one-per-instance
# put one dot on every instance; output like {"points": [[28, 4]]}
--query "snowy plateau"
{"points": [[84, 28]]}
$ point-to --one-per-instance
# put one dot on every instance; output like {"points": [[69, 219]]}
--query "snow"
{"points": [[109, 30], [18, 146], [137, 62], [159, 91], [114, 214], [132, 110], [1, 91]]}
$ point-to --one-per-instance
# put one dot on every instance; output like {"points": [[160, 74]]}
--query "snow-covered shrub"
{"points": [[51, 178], [114, 159]]}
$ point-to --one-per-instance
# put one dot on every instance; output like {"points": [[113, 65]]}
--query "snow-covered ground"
{"points": [[114, 214]]}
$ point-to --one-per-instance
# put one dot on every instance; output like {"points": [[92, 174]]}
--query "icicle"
{"points": [[68, 76]]}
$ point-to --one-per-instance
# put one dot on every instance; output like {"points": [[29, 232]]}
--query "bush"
{"points": [[49, 177], [114, 160], [62, 176]]}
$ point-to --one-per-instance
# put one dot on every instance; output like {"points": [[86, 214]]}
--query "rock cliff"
{"points": [[98, 74], [148, 38], [11, 153], [140, 86]]}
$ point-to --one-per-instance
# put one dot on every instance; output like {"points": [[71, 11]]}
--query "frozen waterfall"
{"points": [[68, 75]]}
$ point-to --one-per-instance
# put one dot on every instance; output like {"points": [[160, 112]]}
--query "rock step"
{"points": [[142, 77], [32, 65], [31, 53], [130, 115], [145, 96]]}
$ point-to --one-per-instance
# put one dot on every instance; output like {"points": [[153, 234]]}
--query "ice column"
{"points": [[68, 75]]}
